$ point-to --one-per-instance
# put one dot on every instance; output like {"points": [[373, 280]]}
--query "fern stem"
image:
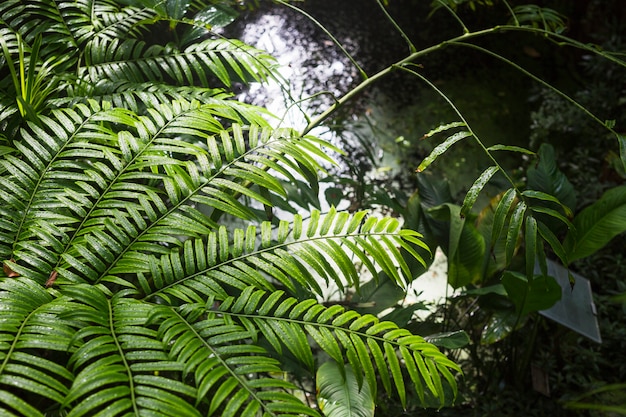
{"points": [[412, 47], [557, 38], [539, 80], [460, 114], [118, 345], [508, 6], [454, 14]]}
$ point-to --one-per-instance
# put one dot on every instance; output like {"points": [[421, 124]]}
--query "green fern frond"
{"points": [[231, 377], [32, 18], [120, 365], [98, 186], [203, 340], [104, 19], [123, 292], [199, 64], [137, 96], [326, 249], [34, 342]]}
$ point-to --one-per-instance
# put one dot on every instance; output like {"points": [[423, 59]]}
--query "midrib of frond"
{"points": [[284, 245], [242, 382], [330, 326], [131, 382], [67, 28], [176, 55], [111, 183]]}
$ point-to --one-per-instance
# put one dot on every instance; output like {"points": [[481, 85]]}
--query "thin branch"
{"points": [[458, 112], [412, 47]]}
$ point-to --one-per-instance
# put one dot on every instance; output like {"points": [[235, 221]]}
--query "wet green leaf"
{"points": [[510, 149], [441, 148], [539, 195], [443, 128], [476, 188], [515, 226], [502, 210], [498, 327]]}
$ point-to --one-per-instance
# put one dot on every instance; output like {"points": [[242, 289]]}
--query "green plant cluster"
{"points": [[574, 159], [126, 287], [148, 271]]}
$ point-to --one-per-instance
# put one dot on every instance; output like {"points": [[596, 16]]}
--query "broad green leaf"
{"points": [[529, 296], [378, 295], [546, 177], [441, 148], [217, 15], [499, 326], [465, 246], [339, 394], [597, 224], [449, 340]]}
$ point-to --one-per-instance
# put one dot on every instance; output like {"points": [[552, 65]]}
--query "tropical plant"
{"points": [[509, 221], [127, 290]]}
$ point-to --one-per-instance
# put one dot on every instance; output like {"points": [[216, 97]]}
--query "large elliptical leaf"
{"points": [[340, 394], [597, 224]]}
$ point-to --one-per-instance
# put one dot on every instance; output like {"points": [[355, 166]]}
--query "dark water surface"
{"points": [[381, 129]]}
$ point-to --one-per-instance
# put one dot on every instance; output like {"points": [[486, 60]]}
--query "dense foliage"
{"points": [[157, 261], [126, 288]]}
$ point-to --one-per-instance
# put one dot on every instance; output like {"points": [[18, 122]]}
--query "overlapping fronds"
{"points": [[89, 20], [204, 339], [102, 50], [102, 195], [95, 186], [328, 248], [124, 291], [34, 345], [121, 366], [373, 348]]}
